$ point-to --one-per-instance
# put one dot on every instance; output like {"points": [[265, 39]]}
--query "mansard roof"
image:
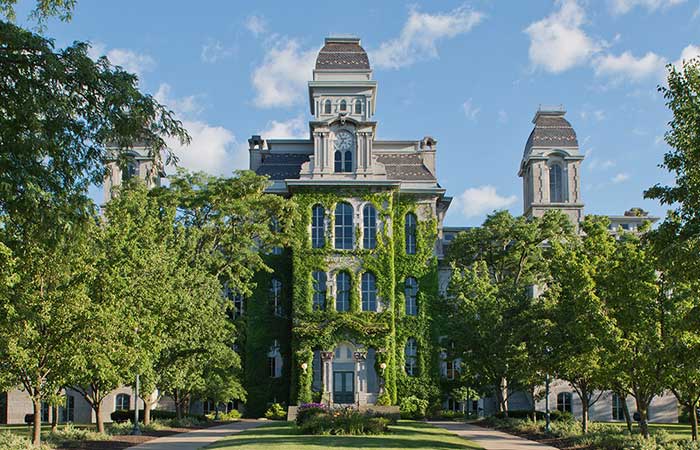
{"points": [[551, 130], [281, 166], [341, 53]]}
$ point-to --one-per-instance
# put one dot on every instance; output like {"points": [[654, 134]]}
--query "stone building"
{"points": [[344, 317]]}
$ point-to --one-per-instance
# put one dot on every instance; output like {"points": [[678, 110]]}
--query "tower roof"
{"points": [[342, 53], [551, 130]]}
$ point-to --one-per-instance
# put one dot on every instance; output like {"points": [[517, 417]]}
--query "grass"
{"points": [[675, 430], [405, 435]]}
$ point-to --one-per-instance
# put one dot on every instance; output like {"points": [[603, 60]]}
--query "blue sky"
{"points": [[470, 74]]}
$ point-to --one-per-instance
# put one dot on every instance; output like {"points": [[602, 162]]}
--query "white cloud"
{"points": [[256, 25], [420, 35], [628, 67], [620, 177], [625, 6], [213, 149], [557, 42], [214, 51], [604, 164], [295, 128], [482, 200], [129, 60], [283, 74], [688, 53], [470, 111]]}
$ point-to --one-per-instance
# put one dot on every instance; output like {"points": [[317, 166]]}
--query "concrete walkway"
{"points": [[491, 439], [196, 439]]}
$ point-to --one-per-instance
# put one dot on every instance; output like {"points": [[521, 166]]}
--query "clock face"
{"points": [[343, 140]]}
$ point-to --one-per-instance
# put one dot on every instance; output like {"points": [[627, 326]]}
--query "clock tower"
{"points": [[342, 99]]}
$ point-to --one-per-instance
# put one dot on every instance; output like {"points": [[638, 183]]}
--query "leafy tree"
{"points": [[63, 9], [494, 269], [636, 297], [580, 328]]}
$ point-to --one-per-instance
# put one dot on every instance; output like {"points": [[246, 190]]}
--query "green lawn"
{"points": [[676, 430], [405, 435]]}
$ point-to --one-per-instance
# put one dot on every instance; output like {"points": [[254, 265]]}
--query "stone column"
{"points": [[327, 375], [360, 358]]}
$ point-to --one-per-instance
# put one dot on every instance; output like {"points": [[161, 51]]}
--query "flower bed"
{"points": [[317, 418]]}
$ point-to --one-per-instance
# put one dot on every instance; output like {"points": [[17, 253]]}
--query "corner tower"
{"points": [[551, 166]]}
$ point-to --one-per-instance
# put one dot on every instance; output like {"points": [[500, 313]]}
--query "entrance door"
{"points": [[343, 387]]}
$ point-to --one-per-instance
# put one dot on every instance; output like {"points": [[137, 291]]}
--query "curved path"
{"points": [[196, 439], [491, 439]]}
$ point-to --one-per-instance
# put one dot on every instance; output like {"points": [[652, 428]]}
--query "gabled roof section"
{"points": [[342, 53]]}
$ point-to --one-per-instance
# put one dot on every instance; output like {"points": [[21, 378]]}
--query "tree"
{"points": [[45, 309], [63, 9], [636, 297], [580, 329], [494, 270]]}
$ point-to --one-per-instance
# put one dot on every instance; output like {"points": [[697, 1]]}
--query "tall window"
{"points": [[319, 280], [342, 283], [68, 410], [274, 360], [411, 352], [318, 226], [411, 294], [369, 232], [276, 296], [129, 171], [564, 402], [556, 184], [618, 412], [343, 105], [343, 226], [327, 107], [122, 402], [237, 300], [348, 161], [275, 228], [410, 226], [369, 292], [45, 411], [358, 106]]}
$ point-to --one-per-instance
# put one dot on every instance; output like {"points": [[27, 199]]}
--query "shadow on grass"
{"points": [[403, 436]]}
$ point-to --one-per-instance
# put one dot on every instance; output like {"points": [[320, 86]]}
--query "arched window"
{"points": [[556, 184], [348, 161], [411, 294], [343, 226], [342, 299], [358, 106], [338, 157], [564, 402], [369, 232], [410, 228], [327, 107], [411, 353], [343, 105], [319, 278], [276, 296], [369, 292], [129, 171], [122, 402], [318, 226]]}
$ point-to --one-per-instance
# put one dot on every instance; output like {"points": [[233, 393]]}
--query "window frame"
{"points": [[369, 227], [343, 295], [327, 107], [410, 231], [564, 402], [557, 193], [119, 401], [342, 105], [411, 357], [369, 292], [344, 232], [618, 410], [276, 296], [411, 297], [320, 290], [358, 106], [318, 226]]}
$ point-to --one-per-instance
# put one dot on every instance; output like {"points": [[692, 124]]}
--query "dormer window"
{"points": [[358, 106], [327, 107], [343, 105]]}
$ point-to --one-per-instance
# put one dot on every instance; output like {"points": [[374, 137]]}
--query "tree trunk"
{"points": [[147, 412], [584, 414], [694, 421], [54, 419], [178, 404], [502, 396], [626, 411], [643, 410], [36, 436], [98, 417]]}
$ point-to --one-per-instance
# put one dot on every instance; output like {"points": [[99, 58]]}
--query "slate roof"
{"points": [[551, 130], [342, 55], [405, 167], [280, 166]]}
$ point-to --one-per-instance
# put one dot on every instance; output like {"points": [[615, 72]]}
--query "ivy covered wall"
{"points": [[304, 330]]}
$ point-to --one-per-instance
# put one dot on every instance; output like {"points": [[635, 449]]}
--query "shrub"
{"points": [[187, 422], [276, 412], [384, 400], [71, 433], [560, 416], [307, 410], [161, 414], [345, 421], [413, 407], [11, 441]]}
